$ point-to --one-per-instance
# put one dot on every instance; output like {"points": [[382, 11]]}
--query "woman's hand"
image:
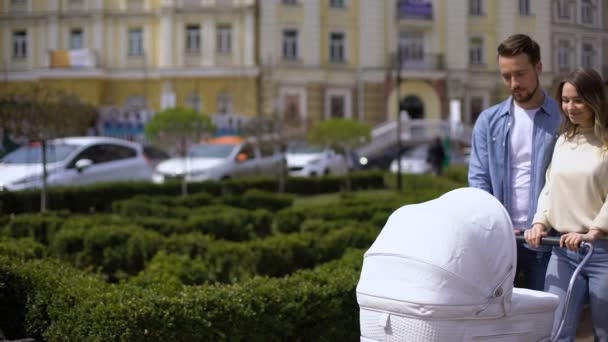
{"points": [[572, 241], [535, 234]]}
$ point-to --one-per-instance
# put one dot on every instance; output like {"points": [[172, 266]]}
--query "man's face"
{"points": [[520, 76]]}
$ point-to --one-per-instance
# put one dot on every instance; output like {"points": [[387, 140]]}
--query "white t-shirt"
{"points": [[522, 129]]}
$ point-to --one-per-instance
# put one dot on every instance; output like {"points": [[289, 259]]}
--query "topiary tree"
{"points": [[346, 133], [40, 113], [179, 128]]}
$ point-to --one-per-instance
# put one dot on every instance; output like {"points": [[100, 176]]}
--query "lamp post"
{"points": [[397, 96]]}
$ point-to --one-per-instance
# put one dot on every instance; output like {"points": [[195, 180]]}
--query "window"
{"points": [[337, 106], [587, 12], [19, 44], [336, 3], [476, 50], [104, 153], [224, 39], [290, 44], [76, 39], [224, 104], [18, 5], [194, 101], [587, 55], [248, 150], [476, 7], [136, 42], [76, 5], [193, 39], [524, 7], [563, 9], [336, 47], [563, 55], [411, 46], [477, 106], [135, 5]]}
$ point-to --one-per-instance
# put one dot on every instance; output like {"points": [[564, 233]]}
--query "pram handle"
{"points": [[545, 241], [554, 241]]}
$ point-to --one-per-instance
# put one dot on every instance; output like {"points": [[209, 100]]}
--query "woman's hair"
{"points": [[590, 88]]}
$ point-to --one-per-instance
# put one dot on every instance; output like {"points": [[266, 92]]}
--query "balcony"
{"points": [[417, 10], [424, 62], [73, 59]]}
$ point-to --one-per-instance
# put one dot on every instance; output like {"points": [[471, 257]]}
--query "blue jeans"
{"points": [[533, 265], [591, 284]]}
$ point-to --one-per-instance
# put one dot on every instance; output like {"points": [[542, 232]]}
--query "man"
{"points": [[436, 156], [512, 146]]}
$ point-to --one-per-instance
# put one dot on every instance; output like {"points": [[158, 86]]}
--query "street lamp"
{"points": [[398, 64]]}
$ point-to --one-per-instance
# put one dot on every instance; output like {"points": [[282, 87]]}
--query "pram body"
{"points": [[443, 270]]}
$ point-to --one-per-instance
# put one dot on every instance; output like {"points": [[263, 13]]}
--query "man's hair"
{"points": [[517, 44]]}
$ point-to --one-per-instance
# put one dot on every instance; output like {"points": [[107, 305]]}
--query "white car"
{"points": [[74, 161], [222, 160], [306, 160], [413, 161]]}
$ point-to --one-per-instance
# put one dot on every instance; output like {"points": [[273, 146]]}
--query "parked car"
{"points": [[74, 161], [413, 160], [307, 160], [222, 158], [155, 155]]}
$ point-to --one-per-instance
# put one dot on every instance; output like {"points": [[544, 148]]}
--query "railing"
{"points": [[425, 61], [414, 132], [408, 9]]}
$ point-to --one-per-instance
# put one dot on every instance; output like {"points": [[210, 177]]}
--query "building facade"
{"points": [[131, 57], [296, 61]]}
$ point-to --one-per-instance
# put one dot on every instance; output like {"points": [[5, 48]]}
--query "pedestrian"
{"points": [[436, 156], [573, 202], [512, 145]]}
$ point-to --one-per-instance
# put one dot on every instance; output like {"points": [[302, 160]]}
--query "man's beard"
{"points": [[528, 97]]}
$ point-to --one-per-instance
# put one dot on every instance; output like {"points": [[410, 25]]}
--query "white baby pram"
{"points": [[443, 271]]}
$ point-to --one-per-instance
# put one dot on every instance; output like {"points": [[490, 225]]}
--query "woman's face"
{"points": [[575, 107]]}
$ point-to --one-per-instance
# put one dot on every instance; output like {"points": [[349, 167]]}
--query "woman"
{"points": [[573, 202]]}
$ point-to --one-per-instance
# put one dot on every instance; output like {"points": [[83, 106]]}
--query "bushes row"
{"points": [[119, 249], [99, 197], [49, 301]]}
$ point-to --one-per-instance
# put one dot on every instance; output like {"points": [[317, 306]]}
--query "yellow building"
{"points": [[299, 61], [135, 54]]}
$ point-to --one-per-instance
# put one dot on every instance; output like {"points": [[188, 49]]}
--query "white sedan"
{"points": [[306, 160], [413, 161], [225, 160], [74, 161]]}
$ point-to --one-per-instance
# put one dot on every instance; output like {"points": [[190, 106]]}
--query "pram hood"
{"points": [[450, 258]]}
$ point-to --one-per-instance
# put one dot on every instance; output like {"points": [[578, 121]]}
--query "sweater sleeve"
{"points": [[542, 208], [601, 220]]}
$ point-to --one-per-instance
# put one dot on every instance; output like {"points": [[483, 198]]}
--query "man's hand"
{"points": [[535, 234]]}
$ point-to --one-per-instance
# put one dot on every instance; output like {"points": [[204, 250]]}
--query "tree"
{"points": [[179, 128], [40, 113], [346, 133]]}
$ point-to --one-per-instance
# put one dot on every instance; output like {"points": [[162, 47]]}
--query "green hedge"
{"points": [[49, 301], [99, 197]]}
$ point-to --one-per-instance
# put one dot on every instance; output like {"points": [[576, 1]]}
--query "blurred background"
{"points": [[285, 65]]}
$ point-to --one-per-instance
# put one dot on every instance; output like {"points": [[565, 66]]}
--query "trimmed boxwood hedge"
{"points": [[99, 197], [50, 301]]}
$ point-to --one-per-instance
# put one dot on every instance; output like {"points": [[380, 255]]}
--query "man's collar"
{"points": [[505, 108]]}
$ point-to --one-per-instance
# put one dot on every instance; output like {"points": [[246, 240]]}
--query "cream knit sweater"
{"points": [[574, 196]]}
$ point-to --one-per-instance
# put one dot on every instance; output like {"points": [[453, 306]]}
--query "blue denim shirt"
{"points": [[490, 162]]}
